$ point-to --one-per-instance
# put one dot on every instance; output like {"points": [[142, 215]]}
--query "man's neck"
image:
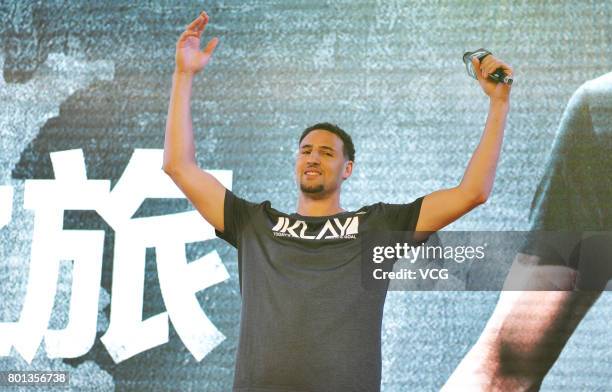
{"points": [[308, 206]]}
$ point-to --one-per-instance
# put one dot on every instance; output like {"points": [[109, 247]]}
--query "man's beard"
{"points": [[312, 189]]}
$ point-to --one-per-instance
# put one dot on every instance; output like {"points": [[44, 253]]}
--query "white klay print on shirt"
{"points": [[332, 229]]}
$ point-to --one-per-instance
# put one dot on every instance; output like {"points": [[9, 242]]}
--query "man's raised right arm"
{"points": [[202, 189]]}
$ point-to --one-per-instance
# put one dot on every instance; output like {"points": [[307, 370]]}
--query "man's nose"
{"points": [[314, 157]]}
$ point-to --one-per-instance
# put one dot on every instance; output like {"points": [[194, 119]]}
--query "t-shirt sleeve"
{"points": [[400, 217], [236, 214], [564, 201]]}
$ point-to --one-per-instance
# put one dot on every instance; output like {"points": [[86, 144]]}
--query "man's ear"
{"points": [[348, 170]]}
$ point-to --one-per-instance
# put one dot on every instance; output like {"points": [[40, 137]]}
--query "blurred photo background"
{"points": [[96, 76]]}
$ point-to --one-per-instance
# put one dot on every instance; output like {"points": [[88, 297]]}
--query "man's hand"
{"points": [[495, 91], [189, 58]]}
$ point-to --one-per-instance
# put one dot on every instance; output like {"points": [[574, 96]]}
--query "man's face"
{"points": [[321, 166]]}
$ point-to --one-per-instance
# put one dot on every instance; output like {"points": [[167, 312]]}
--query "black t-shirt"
{"points": [[574, 197], [307, 323]]}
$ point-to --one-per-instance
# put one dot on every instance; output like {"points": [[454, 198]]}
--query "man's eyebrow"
{"points": [[321, 147]]}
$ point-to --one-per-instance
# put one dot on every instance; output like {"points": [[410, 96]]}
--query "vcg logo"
{"points": [[332, 229]]}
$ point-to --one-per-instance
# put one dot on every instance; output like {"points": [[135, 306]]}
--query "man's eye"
{"points": [[305, 152], [329, 154]]}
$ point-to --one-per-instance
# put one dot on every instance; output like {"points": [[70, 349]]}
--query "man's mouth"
{"points": [[312, 173]]}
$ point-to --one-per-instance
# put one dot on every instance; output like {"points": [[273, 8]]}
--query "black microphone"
{"points": [[499, 75]]}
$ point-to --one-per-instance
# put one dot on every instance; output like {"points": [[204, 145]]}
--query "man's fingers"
{"points": [[487, 60], [198, 23], [497, 65], [210, 47], [490, 64], [483, 66], [507, 69], [203, 20], [192, 26]]}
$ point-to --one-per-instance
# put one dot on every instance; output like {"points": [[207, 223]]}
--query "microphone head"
{"points": [[467, 60]]}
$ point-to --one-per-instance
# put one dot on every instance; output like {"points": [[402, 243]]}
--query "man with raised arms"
{"points": [[307, 323]]}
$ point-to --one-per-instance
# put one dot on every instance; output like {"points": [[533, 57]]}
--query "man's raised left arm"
{"points": [[443, 207]]}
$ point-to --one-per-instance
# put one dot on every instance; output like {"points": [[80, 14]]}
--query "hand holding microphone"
{"points": [[495, 76], [499, 75]]}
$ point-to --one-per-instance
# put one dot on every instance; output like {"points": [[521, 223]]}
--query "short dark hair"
{"points": [[348, 148]]}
